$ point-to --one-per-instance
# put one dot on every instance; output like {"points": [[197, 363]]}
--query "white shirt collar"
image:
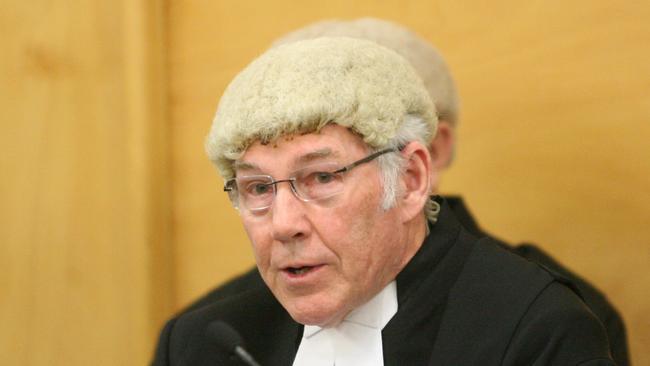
{"points": [[356, 341]]}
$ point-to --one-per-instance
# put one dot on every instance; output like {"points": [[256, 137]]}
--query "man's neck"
{"points": [[414, 237]]}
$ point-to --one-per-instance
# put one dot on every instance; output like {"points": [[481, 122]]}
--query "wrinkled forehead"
{"points": [[332, 144]]}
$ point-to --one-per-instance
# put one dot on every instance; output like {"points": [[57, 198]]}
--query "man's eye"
{"points": [[258, 188], [323, 178]]}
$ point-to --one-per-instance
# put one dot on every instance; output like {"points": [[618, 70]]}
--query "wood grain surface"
{"points": [[112, 218]]}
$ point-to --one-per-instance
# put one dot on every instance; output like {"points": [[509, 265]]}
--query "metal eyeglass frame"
{"points": [[228, 187]]}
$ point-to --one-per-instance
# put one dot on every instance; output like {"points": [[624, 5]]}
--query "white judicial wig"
{"points": [[300, 87]]}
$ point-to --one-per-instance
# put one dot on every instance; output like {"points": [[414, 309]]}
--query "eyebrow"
{"points": [[303, 159], [244, 165], [316, 155]]}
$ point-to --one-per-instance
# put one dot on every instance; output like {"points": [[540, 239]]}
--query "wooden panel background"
{"points": [[83, 187], [112, 217], [553, 141]]}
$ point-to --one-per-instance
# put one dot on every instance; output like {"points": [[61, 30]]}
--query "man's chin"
{"points": [[314, 312]]}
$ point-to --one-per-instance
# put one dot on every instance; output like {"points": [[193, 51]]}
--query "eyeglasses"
{"points": [[317, 182]]}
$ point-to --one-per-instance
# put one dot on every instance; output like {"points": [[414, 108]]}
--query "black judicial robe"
{"points": [[594, 299], [462, 301]]}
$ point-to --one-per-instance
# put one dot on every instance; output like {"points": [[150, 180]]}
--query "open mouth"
{"points": [[300, 271]]}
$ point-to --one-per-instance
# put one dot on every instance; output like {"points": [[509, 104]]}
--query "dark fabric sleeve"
{"points": [[598, 362], [595, 300], [617, 339], [558, 329], [161, 356], [249, 280]]}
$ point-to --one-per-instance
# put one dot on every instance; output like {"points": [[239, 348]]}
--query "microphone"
{"points": [[230, 341]]}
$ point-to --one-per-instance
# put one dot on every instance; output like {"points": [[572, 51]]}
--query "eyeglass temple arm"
{"points": [[369, 158], [227, 187]]}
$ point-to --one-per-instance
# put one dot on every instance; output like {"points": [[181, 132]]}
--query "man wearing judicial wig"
{"points": [[323, 145]]}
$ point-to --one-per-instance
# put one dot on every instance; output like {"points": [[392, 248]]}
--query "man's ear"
{"points": [[415, 179], [442, 151]]}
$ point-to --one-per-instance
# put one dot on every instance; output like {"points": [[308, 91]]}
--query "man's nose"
{"points": [[288, 215]]}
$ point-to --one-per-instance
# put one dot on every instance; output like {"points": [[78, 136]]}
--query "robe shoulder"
{"points": [[505, 310]]}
